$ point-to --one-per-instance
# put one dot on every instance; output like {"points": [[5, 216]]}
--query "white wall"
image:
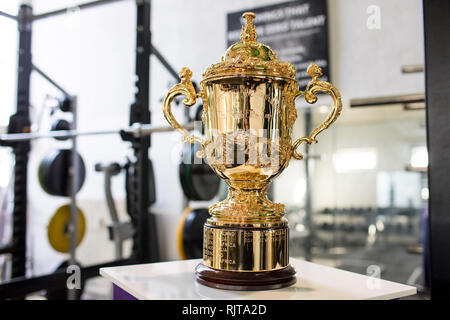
{"points": [[92, 55]]}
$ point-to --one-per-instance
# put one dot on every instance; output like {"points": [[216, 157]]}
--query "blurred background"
{"points": [[357, 202]]}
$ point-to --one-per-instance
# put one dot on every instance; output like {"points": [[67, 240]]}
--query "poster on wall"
{"points": [[296, 30]]}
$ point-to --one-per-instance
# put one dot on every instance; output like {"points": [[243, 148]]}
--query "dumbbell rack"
{"points": [[144, 242]]}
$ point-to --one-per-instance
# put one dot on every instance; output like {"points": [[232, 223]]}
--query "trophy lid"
{"points": [[249, 58]]}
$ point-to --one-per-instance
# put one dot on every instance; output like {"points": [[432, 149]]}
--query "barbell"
{"points": [[136, 130]]}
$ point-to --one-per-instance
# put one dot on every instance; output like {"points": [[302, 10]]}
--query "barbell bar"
{"points": [[137, 130]]}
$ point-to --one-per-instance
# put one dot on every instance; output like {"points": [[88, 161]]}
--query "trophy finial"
{"points": [[248, 32]]}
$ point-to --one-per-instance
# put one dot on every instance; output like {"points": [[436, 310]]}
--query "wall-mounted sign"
{"points": [[296, 30]]}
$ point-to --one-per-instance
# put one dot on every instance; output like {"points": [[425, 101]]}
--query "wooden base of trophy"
{"points": [[246, 280]]}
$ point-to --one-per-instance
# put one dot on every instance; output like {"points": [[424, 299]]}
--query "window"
{"points": [[419, 157], [348, 160]]}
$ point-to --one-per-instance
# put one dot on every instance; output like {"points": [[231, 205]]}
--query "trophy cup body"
{"points": [[248, 116]]}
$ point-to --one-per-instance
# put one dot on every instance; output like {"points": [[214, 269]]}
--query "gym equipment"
{"points": [[190, 233], [60, 293], [198, 180], [137, 135], [148, 222], [66, 104], [57, 230], [60, 124], [136, 130], [54, 172], [118, 230], [406, 99], [198, 116], [130, 170]]}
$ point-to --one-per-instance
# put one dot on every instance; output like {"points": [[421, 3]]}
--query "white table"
{"points": [[175, 280]]}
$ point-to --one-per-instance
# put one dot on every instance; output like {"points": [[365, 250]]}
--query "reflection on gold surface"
{"points": [[248, 115]]}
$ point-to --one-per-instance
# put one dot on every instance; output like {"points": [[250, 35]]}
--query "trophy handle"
{"points": [[314, 86], [185, 88]]}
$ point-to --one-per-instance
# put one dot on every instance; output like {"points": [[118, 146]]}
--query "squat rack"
{"points": [[145, 247]]}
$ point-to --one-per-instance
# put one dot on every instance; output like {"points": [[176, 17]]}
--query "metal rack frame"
{"points": [[437, 87], [145, 248]]}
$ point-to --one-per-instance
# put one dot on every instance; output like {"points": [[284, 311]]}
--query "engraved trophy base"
{"points": [[245, 258], [245, 281]]}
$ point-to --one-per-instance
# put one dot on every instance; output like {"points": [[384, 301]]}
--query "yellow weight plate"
{"points": [[57, 229], [180, 246]]}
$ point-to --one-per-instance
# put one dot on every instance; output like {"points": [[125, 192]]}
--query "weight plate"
{"points": [[45, 169], [60, 124], [180, 230], [47, 172], [193, 233], [41, 175], [66, 104], [54, 172], [151, 183], [57, 229], [198, 180]]}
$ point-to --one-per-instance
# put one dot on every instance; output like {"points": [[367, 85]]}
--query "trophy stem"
{"points": [[247, 202]]}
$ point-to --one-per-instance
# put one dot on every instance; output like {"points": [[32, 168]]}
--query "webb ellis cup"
{"points": [[248, 115]]}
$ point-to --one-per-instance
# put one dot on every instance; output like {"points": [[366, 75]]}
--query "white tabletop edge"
{"points": [[109, 273], [121, 285]]}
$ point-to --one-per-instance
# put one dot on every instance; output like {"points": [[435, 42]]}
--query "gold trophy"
{"points": [[248, 115]]}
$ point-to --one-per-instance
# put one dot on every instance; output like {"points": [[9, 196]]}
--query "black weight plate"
{"points": [[55, 167], [62, 165], [41, 175], [151, 183], [205, 181], [60, 293], [198, 180], [193, 233], [45, 164], [185, 174], [66, 104], [60, 124]]}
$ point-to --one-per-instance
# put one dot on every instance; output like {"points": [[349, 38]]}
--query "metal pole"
{"points": [[113, 212], [22, 285], [73, 228], [437, 87], [308, 195], [80, 6], [20, 122], [164, 62], [46, 77], [137, 130], [7, 15], [6, 249], [400, 99]]}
